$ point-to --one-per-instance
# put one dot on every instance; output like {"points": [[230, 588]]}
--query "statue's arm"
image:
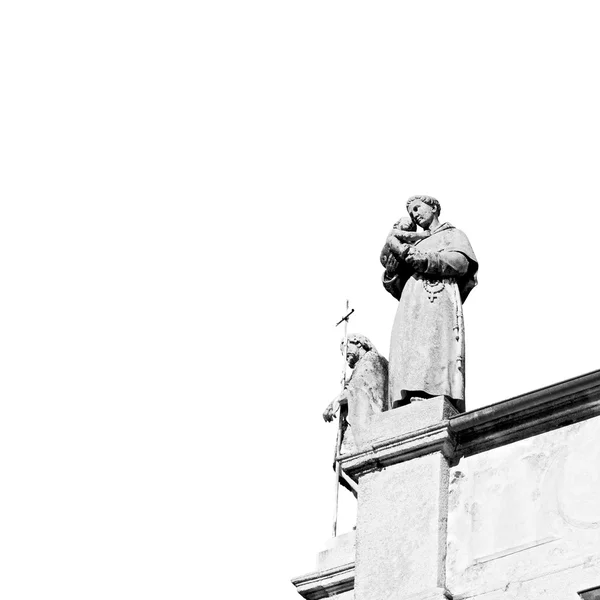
{"points": [[391, 285], [397, 244], [443, 264], [385, 254], [397, 248], [409, 237], [395, 275], [393, 259], [333, 407]]}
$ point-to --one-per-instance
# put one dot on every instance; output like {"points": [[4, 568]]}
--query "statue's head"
{"points": [[406, 224], [358, 346], [423, 210]]}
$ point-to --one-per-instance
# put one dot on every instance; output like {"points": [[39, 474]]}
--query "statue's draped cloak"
{"points": [[367, 394], [427, 350]]}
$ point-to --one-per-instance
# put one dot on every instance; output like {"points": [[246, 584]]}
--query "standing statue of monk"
{"points": [[430, 273]]}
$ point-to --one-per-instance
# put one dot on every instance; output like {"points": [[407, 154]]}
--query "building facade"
{"points": [[498, 503]]}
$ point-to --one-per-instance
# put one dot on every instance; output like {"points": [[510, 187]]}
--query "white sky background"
{"points": [[190, 191]]}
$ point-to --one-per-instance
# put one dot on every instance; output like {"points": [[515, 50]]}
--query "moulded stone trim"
{"points": [[515, 549], [436, 438], [591, 594], [524, 416], [324, 584]]}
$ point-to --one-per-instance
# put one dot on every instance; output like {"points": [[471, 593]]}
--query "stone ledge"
{"points": [[490, 427], [435, 438], [406, 420], [324, 584], [527, 415]]}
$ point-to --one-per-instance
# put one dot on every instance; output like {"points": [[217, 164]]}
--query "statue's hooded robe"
{"points": [[427, 350]]}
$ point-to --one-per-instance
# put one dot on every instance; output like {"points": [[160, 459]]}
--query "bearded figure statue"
{"points": [[365, 392]]}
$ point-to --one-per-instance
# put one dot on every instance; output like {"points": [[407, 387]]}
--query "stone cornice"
{"points": [[324, 584], [468, 433], [527, 415], [380, 454]]}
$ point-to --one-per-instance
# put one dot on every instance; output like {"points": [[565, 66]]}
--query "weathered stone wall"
{"points": [[524, 518]]}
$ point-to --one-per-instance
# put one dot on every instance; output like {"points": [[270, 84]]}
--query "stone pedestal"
{"points": [[401, 545], [403, 471]]}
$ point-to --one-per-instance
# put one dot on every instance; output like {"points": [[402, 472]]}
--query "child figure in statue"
{"points": [[430, 273], [405, 232]]}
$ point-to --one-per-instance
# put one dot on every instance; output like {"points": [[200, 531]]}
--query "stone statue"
{"points": [[365, 392], [430, 273], [405, 231]]}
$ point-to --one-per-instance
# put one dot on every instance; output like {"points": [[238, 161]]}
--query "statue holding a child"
{"points": [[430, 272]]}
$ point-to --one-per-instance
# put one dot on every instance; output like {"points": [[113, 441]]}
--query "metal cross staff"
{"points": [[338, 441]]}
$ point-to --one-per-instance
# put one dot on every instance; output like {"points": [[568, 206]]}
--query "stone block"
{"points": [[340, 551], [401, 531], [407, 419]]}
